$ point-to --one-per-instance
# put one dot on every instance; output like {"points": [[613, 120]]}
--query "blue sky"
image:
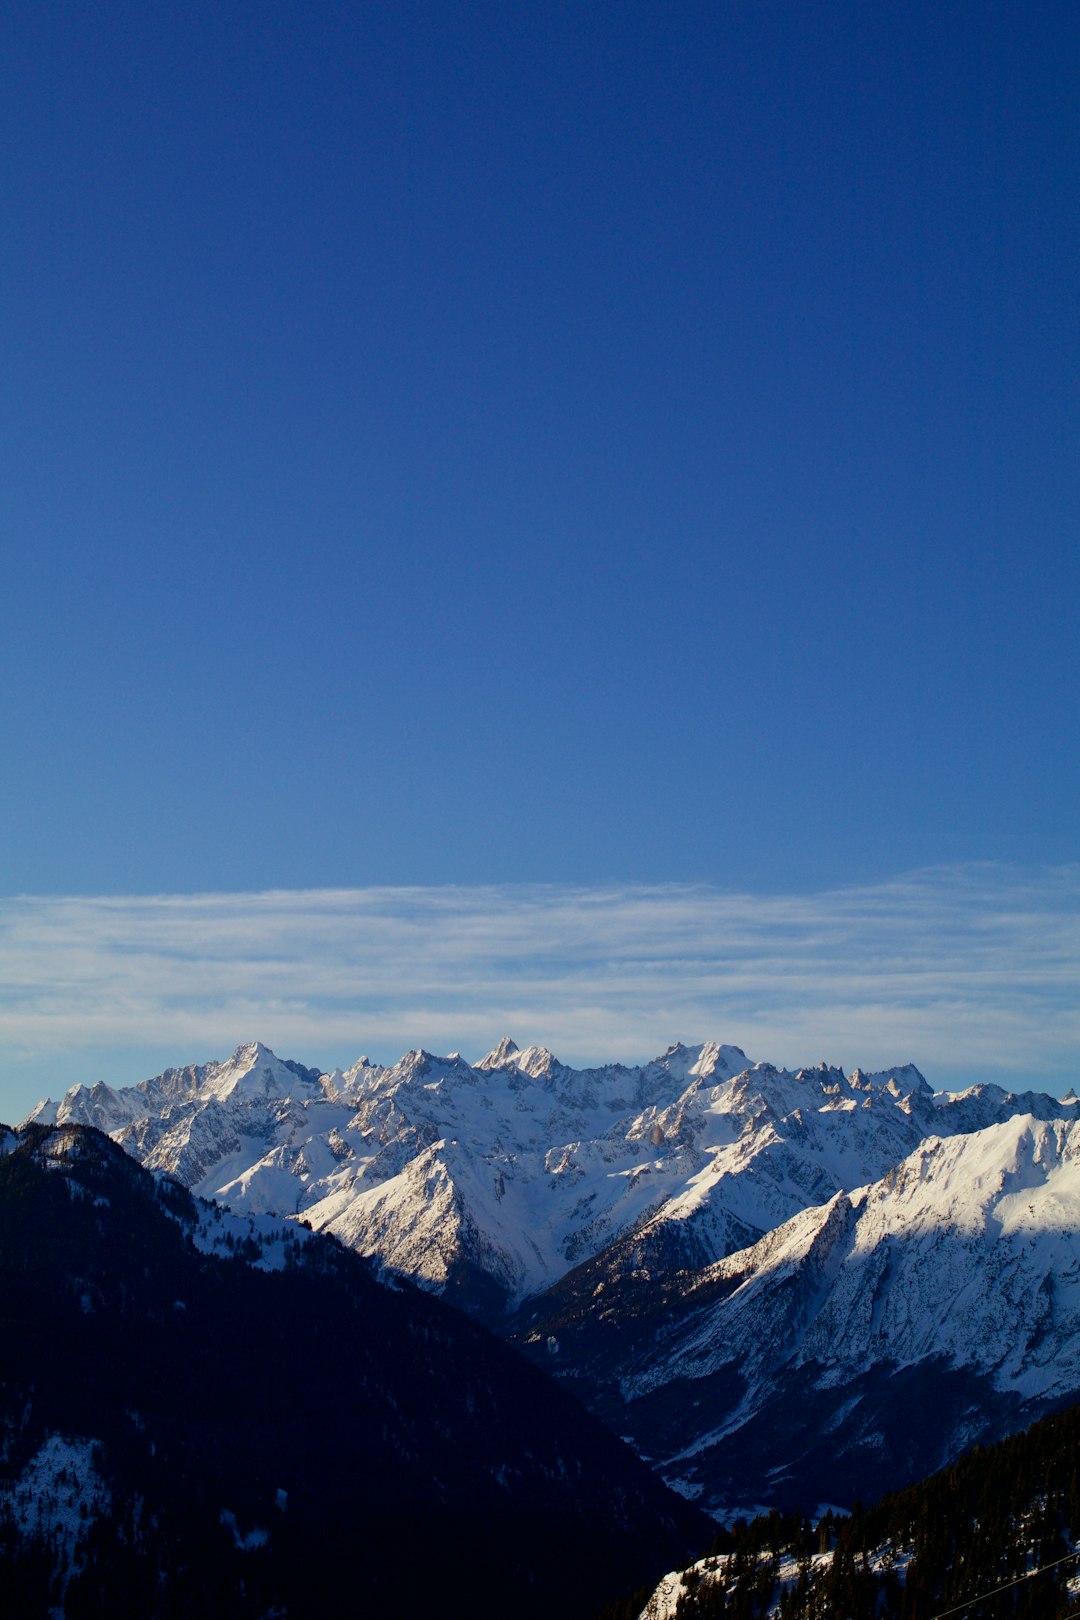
{"points": [[480, 445]]}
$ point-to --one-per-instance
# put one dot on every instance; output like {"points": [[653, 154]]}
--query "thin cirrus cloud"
{"points": [[968, 971]]}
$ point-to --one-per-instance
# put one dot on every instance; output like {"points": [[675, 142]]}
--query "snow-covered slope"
{"points": [[876, 1333], [968, 1248]]}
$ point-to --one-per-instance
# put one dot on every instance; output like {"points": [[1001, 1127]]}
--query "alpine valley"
{"points": [[785, 1289]]}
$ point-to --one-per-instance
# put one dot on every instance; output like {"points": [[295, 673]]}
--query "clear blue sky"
{"points": [[573, 443]]}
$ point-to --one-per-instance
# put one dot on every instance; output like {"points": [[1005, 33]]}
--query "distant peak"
{"points": [[715, 1059], [251, 1052], [416, 1061], [900, 1080], [537, 1062], [254, 1071], [502, 1057]]}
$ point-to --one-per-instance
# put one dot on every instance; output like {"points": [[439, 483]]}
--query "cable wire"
{"points": [[1026, 1576]]}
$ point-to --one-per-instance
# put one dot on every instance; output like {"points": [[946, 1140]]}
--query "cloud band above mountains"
{"points": [[968, 971]]}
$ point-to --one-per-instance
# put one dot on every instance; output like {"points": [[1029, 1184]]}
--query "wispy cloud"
{"points": [[968, 971]]}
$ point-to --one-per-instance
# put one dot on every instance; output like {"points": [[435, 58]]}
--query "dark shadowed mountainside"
{"points": [[204, 1413]]}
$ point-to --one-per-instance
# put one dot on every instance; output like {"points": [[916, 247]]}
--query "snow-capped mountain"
{"points": [[491, 1181], [724, 1259], [879, 1332], [488, 1181]]}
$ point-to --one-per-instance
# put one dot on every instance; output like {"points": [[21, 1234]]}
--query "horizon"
{"points": [[968, 972]]}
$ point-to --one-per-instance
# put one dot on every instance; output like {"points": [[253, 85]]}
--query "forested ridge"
{"points": [[991, 1536], [186, 1432]]}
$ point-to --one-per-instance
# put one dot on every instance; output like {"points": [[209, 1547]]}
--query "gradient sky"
{"points": [[577, 444]]}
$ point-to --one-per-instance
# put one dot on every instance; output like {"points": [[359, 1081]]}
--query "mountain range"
{"points": [[785, 1288]]}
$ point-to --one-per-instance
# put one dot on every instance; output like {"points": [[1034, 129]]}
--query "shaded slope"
{"points": [[274, 1426]]}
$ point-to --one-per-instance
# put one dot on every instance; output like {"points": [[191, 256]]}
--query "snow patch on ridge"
{"points": [[57, 1497]]}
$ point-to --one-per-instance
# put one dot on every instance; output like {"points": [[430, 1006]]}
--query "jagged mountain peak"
{"points": [[904, 1080], [538, 1062], [706, 1061], [251, 1052], [502, 1056], [254, 1071], [713, 1057], [421, 1060], [823, 1073], [535, 1061]]}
